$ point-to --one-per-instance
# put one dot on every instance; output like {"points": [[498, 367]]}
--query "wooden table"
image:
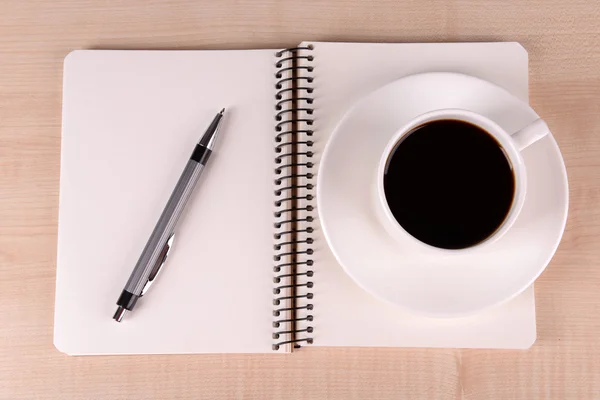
{"points": [[563, 40]]}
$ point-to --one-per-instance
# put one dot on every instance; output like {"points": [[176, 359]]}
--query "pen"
{"points": [[157, 248]]}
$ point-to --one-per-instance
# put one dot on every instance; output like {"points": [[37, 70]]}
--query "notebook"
{"points": [[250, 270]]}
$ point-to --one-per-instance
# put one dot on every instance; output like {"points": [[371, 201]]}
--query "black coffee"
{"points": [[449, 184]]}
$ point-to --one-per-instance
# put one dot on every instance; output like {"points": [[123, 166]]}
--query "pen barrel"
{"points": [[164, 227]]}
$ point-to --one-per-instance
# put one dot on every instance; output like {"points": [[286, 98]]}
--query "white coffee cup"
{"points": [[511, 143]]}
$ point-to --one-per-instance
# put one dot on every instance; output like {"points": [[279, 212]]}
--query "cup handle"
{"points": [[530, 134]]}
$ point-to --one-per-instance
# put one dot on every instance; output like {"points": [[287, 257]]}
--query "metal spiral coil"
{"points": [[293, 263]]}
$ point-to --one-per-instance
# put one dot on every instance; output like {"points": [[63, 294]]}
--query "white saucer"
{"points": [[439, 286]]}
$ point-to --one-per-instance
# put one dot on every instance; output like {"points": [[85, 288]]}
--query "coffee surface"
{"points": [[449, 184]]}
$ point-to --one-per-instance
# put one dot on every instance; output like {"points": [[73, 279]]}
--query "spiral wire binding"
{"points": [[292, 279]]}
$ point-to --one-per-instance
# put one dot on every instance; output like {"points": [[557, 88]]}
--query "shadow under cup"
{"points": [[449, 184]]}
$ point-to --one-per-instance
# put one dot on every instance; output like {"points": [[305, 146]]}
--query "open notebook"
{"points": [[249, 270]]}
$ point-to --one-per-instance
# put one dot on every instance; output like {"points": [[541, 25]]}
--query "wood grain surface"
{"points": [[563, 40]]}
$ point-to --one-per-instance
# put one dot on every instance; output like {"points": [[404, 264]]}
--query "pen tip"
{"points": [[222, 111], [119, 314]]}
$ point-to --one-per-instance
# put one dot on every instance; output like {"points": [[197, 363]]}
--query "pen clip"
{"points": [[162, 258]]}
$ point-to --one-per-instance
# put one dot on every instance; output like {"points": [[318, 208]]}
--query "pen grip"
{"points": [[164, 227]]}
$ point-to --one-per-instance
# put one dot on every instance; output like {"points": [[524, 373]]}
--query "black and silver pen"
{"points": [[157, 248]]}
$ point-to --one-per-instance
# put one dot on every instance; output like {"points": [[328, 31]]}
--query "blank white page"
{"points": [[130, 122], [346, 315]]}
